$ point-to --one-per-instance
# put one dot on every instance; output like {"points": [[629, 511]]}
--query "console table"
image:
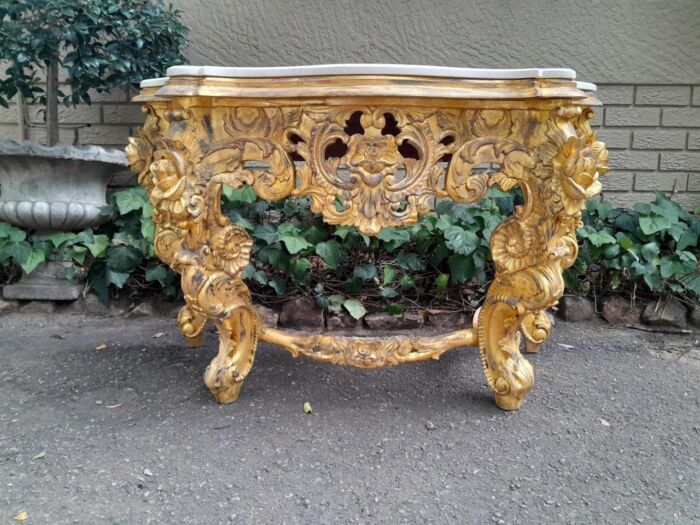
{"points": [[386, 141]]}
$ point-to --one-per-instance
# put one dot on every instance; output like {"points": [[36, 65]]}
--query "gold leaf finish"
{"points": [[373, 160]]}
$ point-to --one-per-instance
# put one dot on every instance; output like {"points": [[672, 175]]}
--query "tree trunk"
{"points": [[51, 103]]}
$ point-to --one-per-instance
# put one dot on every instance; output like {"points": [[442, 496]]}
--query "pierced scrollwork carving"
{"points": [[384, 178], [514, 159]]}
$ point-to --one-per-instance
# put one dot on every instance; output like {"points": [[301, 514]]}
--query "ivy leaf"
{"points": [[98, 246], [130, 200], [294, 244], [156, 272], [342, 231], [266, 232], [688, 238], [300, 270], [441, 282], [272, 255], [438, 254], [667, 267], [123, 258], [148, 229], [244, 194], [626, 242], [366, 272], [626, 221], [35, 258], [100, 277], [19, 252], [12, 234], [611, 251], [313, 234], [278, 284], [329, 252], [650, 251], [394, 309], [335, 302], [460, 241], [692, 282], [406, 281], [651, 224], [599, 238], [58, 238], [666, 208], [461, 268], [389, 274], [354, 308], [77, 253], [394, 237], [409, 261], [388, 292]]}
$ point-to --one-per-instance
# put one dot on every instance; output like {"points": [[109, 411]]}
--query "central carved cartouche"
{"points": [[372, 158]]}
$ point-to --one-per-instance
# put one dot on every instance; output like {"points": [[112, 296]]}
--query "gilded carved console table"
{"points": [[386, 141]]}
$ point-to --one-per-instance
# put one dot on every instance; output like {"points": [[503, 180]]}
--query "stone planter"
{"points": [[48, 189]]}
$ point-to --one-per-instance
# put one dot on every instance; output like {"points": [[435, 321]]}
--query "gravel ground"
{"points": [[128, 434]]}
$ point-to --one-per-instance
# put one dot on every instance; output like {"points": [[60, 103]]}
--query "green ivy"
{"points": [[441, 261], [653, 244]]}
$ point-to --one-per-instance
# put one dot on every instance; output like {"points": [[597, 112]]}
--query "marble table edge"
{"points": [[372, 69], [161, 81]]}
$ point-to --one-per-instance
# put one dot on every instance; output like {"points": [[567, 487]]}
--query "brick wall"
{"points": [[108, 121], [653, 136], [652, 132]]}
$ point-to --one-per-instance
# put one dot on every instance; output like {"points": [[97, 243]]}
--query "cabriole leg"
{"points": [[508, 373], [238, 338]]}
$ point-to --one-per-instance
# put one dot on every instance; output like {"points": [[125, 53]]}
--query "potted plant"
{"points": [[101, 45]]}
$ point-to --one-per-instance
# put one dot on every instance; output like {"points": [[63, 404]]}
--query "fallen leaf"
{"points": [[159, 334], [22, 516], [605, 423], [40, 455], [101, 347], [568, 347], [115, 406], [307, 408]]}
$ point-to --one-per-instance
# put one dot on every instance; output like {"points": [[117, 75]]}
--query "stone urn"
{"points": [[49, 189]]}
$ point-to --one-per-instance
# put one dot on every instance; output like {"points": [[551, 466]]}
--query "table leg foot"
{"points": [[508, 373], [196, 341], [238, 339], [532, 348]]}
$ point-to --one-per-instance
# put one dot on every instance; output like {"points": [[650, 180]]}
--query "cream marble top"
{"points": [[371, 69], [368, 80]]}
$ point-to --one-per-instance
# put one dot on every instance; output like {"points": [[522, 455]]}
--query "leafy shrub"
{"points": [[442, 261], [655, 244], [100, 44]]}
